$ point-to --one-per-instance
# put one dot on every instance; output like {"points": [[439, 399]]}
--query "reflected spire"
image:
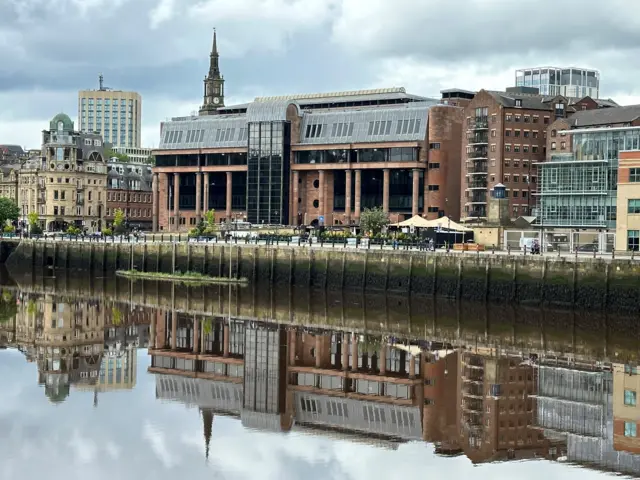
{"points": [[207, 420]]}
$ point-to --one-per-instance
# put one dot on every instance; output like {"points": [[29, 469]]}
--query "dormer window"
{"points": [[518, 102]]}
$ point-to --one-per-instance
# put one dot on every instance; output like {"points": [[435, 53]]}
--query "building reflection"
{"points": [[75, 343]]}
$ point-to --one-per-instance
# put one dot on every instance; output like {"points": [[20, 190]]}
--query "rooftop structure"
{"points": [[566, 81]]}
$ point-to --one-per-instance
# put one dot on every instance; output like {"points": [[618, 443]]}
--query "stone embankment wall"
{"points": [[586, 283]]}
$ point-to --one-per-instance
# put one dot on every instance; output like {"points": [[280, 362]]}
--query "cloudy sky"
{"points": [[50, 50], [131, 435]]}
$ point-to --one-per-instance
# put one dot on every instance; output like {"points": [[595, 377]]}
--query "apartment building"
{"points": [[129, 189]]}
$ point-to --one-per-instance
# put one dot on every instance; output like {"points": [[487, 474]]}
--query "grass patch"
{"points": [[186, 277]]}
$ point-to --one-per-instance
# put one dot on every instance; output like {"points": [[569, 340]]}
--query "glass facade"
{"points": [[580, 189], [268, 173], [402, 154], [570, 82]]}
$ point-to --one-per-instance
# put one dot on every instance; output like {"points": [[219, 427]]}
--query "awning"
{"points": [[445, 224], [415, 221]]}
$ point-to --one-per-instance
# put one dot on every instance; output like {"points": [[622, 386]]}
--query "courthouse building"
{"points": [[308, 159]]}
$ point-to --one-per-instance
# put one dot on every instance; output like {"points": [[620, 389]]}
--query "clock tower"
{"points": [[213, 83]]}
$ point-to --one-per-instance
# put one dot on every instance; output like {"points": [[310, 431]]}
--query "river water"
{"points": [[105, 378]]}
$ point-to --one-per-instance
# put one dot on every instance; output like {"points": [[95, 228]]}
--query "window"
{"points": [[508, 117], [546, 120], [507, 133], [633, 244], [516, 118], [516, 178], [434, 165], [525, 148], [493, 147], [553, 145], [507, 147], [630, 395], [55, 194], [535, 133], [507, 162], [516, 133], [630, 429], [535, 119], [634, 175], [434, 146], [434, 188], [516, 148], [526, 134], [518, 102], [527, 119], [553, 133], [534, 149], [630, 370], [493, 133]]}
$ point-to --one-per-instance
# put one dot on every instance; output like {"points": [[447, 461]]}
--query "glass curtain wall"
{"points": [[268, 173]]}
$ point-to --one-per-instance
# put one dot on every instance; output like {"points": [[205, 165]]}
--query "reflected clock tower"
{"points": [[213, 83]]}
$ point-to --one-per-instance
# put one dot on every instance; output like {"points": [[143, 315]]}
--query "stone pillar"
{"points": [[321, 194], [205, 206], [196, 335], [425, 207], [293, 340], [318, 352], [198, 196], [225, 340], [176, 201], [412, 366], [415, 192], [345, 351], [294, 200], [229, 204], [358, 187], [354, 348], [347, 197], [174, 329], [156, 205], [383, 358], [385, 190]]}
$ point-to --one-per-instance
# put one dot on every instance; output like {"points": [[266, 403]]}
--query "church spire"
{"points": [[213, 82], [207, 420]]}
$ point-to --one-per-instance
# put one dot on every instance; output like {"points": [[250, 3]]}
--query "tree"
{"points": [[34, 223], [9, 211], [373, 220], [118, 221], [120, 157]]}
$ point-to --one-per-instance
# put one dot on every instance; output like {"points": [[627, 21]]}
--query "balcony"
{"points": [[470, 404], [477, 152], [478, 123], [41, 199], [477, 197], [477, 167], [478, 138], [80, 202], [79, 187], [477, 212], [477, 182]]}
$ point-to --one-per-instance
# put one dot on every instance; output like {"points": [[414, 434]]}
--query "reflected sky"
{"points": [[131, 434]]}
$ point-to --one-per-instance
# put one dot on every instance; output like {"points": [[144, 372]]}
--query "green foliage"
{"points": [[107, 232], [116, 316], [33, 218], [151, 160], [9, 211], [9, 229], [73, 230], [118, 221], [207, 326], [32, 307], [373, 220], [120, 157], [35, 229]]}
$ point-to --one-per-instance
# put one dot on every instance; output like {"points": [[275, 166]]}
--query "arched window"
{"points": [[60, 127]]}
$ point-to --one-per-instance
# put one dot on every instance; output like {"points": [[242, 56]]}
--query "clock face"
{"points": [[216, 100]]}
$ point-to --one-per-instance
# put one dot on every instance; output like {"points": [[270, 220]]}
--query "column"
{"points": [[228, 211], [385, 190], [198, 196], [293, 340], [225, 340], [196, 335], [415, 193], [155, 206], [176, 201], [425, 208], [294, 200], [345, 351], [318, 353], [152, 333], [358, 187], [354, 347], [174, 329], [205, 207], [347, 197], [321, 194], [412, 367], [383, 358]]}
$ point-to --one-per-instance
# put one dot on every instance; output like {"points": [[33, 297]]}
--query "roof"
{"points": [[605, 116], [529, 101], [12, 149], [67, 124], [317, 96]]}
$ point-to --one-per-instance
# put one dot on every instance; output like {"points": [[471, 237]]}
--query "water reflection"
{"points": [[486, 383]]}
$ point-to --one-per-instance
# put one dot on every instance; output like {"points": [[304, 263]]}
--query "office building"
{"points": [[67, 185], [113, 114], [135, 155], [310, 159], [565, 81], [628, 202], [129, 189]]}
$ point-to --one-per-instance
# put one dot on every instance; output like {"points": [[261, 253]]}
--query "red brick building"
{"points": [[506, 134], [129, 189], [309, 159]]}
